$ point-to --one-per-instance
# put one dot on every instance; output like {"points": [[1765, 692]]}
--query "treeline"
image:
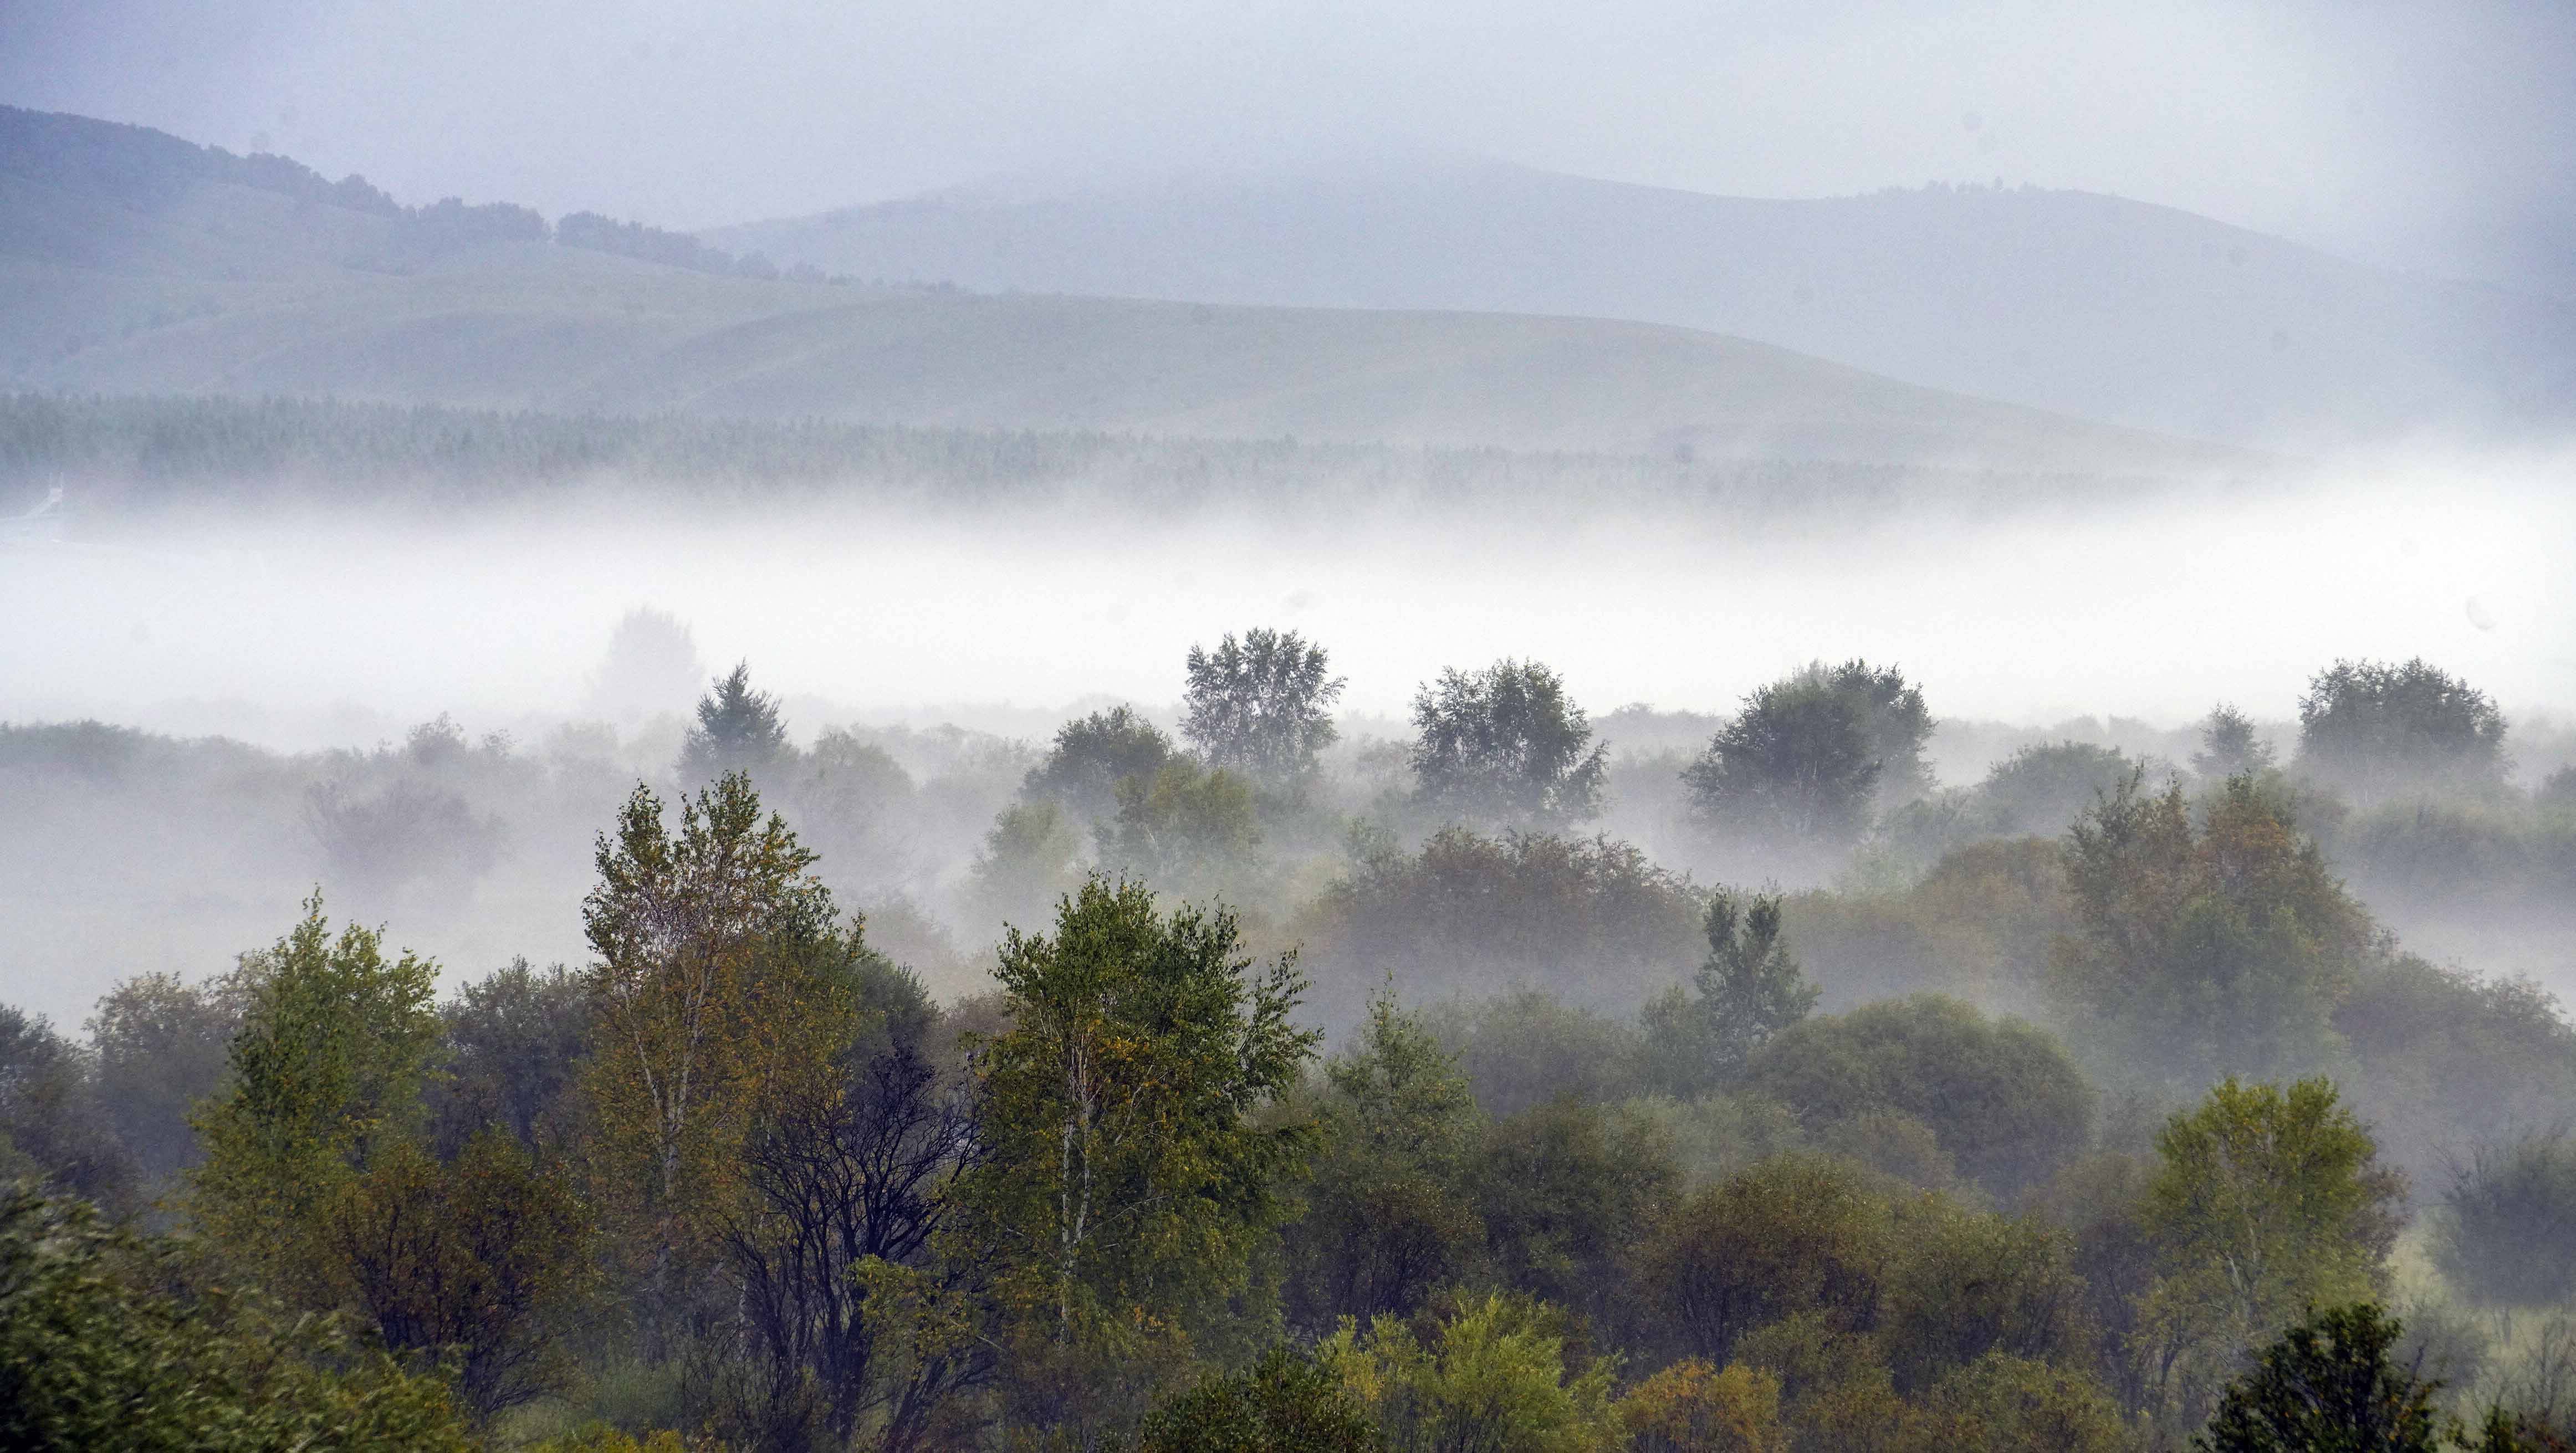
{"points": [[133, 451], [1600, 1159]]}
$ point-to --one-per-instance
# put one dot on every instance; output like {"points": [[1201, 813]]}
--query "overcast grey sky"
{"points": [[2428, 135]]}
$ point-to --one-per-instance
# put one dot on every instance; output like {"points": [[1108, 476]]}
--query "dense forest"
{"points": [[120, 454], [1221, 1081]]}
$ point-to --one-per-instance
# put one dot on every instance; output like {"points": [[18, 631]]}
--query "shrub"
{"points": [[1691, 1407], [1793, 1235]]}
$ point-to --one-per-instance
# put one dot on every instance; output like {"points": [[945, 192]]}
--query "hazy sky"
{"points": [[2430, 135]]}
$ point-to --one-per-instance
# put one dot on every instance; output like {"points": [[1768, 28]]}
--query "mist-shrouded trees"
{"points": [[1812, 755], [53, 1128], [738, 730], [2205, 948], [1030, 857], [515, 1041], [1128, 1167], [2003, 1100], [1091, 755], [1749, 989], [1387, 1214], [2230, 745], [2507, 1233], [1506, 744], [1189, 828], [2371, 728], [651, 666], [1261, 707]]}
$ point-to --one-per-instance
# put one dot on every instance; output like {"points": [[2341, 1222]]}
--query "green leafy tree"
{"points": [[515, 1041], [475, 1261], [738, 730], [2328, 1385], [1565, 1191], [1261, 706], [1187, 827], [1793, 1235], [1750, 989], [325, 1074], [1129, 1168], [721, 974], [51, 1118], [2205, 948], [2266, 1202], [161, 1044], [1506, 744], [2042, 788], [1811, 754], [2369, 728], [2004, 1099], [1387, 1217], [1030, 858], [2230, 745], [1091, 756]]}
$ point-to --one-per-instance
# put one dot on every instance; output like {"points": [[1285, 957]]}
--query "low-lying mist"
{"points": [[335, 631]]}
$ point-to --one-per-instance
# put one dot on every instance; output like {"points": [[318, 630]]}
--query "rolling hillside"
{"points": [[134, 263], [2086, 304]]}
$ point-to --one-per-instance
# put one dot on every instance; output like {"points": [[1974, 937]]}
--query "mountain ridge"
{"points": [[2081, 303]]}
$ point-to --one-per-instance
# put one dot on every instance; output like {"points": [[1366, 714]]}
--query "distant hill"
{"points": [[131, 262], [2070, 301]]}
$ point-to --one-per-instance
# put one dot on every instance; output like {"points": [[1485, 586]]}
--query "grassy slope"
{"points": [[230, 289]]}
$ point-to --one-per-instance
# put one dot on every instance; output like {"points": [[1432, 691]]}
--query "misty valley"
{"points": [[1445, 809]]}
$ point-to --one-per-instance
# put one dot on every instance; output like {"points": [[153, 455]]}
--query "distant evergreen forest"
{"points": [[131, 451]]}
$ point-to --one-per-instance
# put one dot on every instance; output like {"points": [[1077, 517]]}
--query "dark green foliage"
{"points": [[2508, 1227], [738, 730], [1471, 913], [2369, 727], [1184, 827], [1810, 755], [1749, 990], [52, 1125], [1387, 1213], [1565, 1190], [1092, 755], [161, 1044], [2004, 1099], [2328, 1386], [2229, 745], [1961, 1285], [1261, 707], [1130, 1165], [2447, 1056], [1529, 1048], [2207, 947], [1790, 1236], [1506, 745], [104, 1348], [514, 1047], [1288, 1402], [471, 1263]]}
